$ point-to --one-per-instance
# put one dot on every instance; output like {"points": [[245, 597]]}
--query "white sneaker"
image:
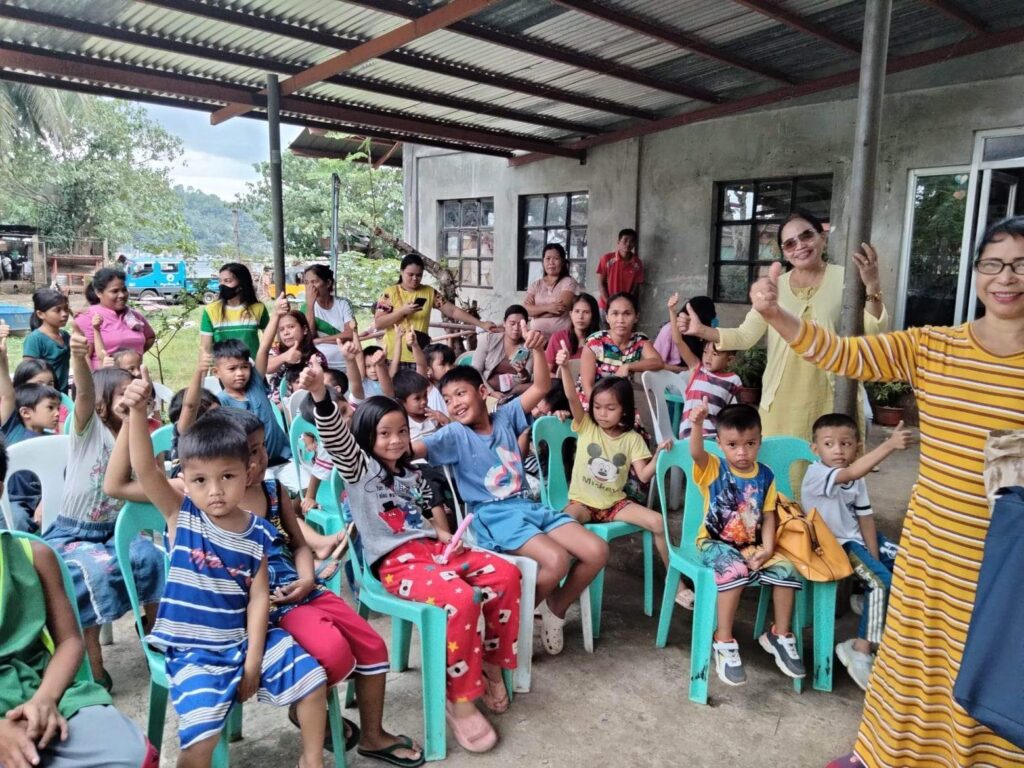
{"points": [[685, 597], [552, 633], [857, 663], [728, 664]]}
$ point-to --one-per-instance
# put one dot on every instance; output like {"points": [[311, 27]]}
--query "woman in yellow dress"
{"points": [[969, 381], [794, 393], [408, 303]]}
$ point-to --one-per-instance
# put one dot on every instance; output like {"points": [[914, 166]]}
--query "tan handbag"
{"points": [[1004, 461], [804, 539]]}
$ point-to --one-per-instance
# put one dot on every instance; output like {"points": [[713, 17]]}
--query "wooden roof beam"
{"points": [[801, 23], [679, 39], [448, 68], [444, 16]]}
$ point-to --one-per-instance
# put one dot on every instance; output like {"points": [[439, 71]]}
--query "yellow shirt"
{"points": [[396, 296], [602, 464]]}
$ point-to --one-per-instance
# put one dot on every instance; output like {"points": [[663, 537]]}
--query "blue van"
{"points": [[167, 279]]}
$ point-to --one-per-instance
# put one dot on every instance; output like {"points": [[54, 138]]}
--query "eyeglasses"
{"points": [[996, 266], [804, 237]]}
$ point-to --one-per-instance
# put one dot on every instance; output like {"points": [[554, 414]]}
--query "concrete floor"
{"points": [[625, 705]]}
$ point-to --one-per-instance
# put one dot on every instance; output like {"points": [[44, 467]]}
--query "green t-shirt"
{"points": [[42, 347], [224, 322]]}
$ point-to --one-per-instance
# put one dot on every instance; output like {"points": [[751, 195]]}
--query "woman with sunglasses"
{"points": [[794, 393]]}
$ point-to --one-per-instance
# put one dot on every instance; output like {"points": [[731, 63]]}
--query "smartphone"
{"points": [[420, 301], [521, 356]]}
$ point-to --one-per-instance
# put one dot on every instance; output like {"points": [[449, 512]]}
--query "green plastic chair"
{"points": [[84, 672], [162, 438], [684, 559], [134, 519], [551, 434], [466, 358]]}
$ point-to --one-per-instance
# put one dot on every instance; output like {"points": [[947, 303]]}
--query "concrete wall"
{"points": [[663, 184]]}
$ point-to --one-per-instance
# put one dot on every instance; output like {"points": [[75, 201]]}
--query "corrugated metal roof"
{"points": [[583, 74]]}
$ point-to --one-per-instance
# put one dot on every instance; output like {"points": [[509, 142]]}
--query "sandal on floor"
{"points": [[387, 754], [474, 734], [495, 696], [328, 567], [552, 633], [352, 732]]}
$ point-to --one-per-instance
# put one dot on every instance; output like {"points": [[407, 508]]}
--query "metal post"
{"points": [[335, 200], [870, 90], [276, 204]]}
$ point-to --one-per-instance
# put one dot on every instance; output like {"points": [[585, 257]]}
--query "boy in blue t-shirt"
{"points": [[247, 389], [483, 450]]}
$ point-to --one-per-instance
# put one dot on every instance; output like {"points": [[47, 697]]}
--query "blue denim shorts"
{"points": [[506, 525]]}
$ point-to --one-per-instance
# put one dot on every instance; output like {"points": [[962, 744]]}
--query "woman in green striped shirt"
{"points": [[237, 314]]}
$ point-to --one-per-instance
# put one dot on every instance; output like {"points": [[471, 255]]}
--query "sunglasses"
{"points": [[804, 237]]}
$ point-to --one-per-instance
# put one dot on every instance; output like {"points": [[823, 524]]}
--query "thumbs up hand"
{"points": [[900, 437], [764, 294], [562, 355]]}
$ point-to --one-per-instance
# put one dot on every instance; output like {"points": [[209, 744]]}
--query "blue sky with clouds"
{"points": [[218, 159]]}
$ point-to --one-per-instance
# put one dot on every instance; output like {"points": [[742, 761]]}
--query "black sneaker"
{"points": [[728, 664], [783, 648]]}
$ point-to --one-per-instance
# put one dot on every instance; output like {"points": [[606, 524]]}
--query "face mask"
{"points": [[227, 293]]}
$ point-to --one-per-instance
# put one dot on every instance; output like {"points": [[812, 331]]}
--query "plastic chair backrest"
{"points": [[655, 383], [294, 403], [466, 358], [282, 390], [162, 439], [549, 436], [163, 394], [780, 453], [212, 383], [84, 672], [300, 456], [67, 402], [47, 458], [134, 518]]}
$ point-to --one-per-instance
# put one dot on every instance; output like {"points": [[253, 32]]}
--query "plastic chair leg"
{"points": [[350, 694], [648, 540], [668, 602], [587, 619], [764, 597], [233, 728], [704, 621], [508, 676], [337, 727], [799, 621], [401, 636], [527, 603], [596, 589], [157, 714], [221, 753], [824, 599], [433, 635]]}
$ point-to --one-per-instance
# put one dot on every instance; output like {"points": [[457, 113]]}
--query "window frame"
{"points": [[456, 262], [719, 224], [523, 262]]}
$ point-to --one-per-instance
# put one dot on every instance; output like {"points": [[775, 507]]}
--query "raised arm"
{"points": [[897, 441], [352, 353], [744, 336], [380, 362], [346, 455], [561, 358], [155, 485], [396, 353], [194, 394], [588, 370], [99, 349], [697, 452], [422, 364], [85, 390], [118, 481], [538, 389], [453, 312], [8, 398], [691, 360], [270, 334]]}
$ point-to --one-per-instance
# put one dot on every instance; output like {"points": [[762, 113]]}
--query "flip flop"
{"points": [[495, 696], [477, 735], [387, 754], [333, 561], [352, 732]]}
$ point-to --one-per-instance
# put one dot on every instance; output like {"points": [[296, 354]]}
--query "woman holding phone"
{"points": [[408, 303], [503, 361]]}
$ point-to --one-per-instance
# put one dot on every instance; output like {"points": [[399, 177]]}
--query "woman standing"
{"points": [[237, 314], [118, 326], [812, 290], [549, 298], [329, 317], [408, 303], [503, 361], [584, 319], [969, 381]]}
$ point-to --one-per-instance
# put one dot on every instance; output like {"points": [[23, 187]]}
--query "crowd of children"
{"points": [[237, 602]]}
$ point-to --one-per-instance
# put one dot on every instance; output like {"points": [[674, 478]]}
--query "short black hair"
{"points": [[372, 350], [462, 373], [340, 377], [556, 399], [1011, 227], [622, 389], [409, 383], [516, 309], [206, 401], [29, 368], [627, 231], [3, 459], [249, 422], [31, 395], [422, 339], [835, 420], [231, 349], [738, 416], [211, 438], [437, 349]]}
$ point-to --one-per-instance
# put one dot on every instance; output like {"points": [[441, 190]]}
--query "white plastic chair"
{"points": [[294, 404], [655, 384], [47, 458], [163, 395], [212, 383]]}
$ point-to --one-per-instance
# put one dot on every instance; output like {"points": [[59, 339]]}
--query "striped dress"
{"points": [[201, 626], [963, 393]]}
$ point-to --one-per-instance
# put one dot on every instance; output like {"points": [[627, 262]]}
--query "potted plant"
{"points": [[749, 366], [887, 401]]}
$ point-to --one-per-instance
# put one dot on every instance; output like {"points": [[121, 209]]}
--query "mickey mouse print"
{"points": [[602, 464]]}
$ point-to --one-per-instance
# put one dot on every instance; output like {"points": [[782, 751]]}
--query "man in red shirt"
{"points": [[620, 270]]}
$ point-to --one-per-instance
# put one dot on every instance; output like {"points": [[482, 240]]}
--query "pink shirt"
{"points": [[665, 346], [541, 293], [129, 330]]}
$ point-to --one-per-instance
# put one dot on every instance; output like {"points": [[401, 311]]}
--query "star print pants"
{"points": [[479, 590]]}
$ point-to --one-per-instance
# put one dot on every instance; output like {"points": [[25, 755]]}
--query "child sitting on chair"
{"points": [[212, 620], [737, 537], [483, 450], [835, 486], [401, 548]]}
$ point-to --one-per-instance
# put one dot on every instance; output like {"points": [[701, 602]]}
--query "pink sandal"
{"points": [[473, 733]]}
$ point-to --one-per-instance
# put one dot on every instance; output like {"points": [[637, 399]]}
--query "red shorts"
{"points": [[605, 515]]}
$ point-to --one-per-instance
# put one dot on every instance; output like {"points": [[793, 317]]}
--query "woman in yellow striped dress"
{"points": [[969, 380]]}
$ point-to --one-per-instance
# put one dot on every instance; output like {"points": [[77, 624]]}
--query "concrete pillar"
{"points": [[276, 202]]}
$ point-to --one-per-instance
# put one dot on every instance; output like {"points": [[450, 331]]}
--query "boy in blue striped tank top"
{"points": [[212, 624]]}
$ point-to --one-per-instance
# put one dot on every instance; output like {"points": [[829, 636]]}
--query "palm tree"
{"points": [[35, 113]]}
